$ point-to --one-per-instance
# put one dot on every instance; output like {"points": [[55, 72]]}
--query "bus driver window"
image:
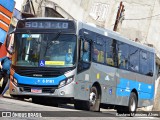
{"points": [[85, 56]]}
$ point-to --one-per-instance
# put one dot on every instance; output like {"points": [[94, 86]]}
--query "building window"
{"points": [[99, 11]]}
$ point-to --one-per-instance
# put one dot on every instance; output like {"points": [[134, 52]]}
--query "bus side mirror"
{"points": [[9, 43]]}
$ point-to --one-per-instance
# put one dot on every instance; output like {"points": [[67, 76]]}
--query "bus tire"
{"points": [[132, 106], [94, 100]]}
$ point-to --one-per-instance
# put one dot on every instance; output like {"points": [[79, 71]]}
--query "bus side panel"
{"points": [[82, 86], [106, 76], [124, 85], [132, 81], [101, 74], [145, 90]]}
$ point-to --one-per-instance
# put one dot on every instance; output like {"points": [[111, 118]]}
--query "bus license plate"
{"points": [[36, 90]]}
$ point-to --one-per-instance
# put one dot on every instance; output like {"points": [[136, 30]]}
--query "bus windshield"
{"points": [[45, 50]]}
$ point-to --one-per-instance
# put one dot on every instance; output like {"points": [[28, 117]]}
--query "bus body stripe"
{"points": [[145, 91], [38, 81]]}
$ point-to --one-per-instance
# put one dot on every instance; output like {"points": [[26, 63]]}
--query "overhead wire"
{"points": [[144, 17]]}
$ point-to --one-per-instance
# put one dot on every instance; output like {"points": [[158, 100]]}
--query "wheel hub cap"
{"points": [[92, 98]]}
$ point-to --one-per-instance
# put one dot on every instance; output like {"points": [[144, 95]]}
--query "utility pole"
{"points": [[119, 16]]}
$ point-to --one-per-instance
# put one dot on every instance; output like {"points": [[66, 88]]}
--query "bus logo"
{"points": [[37, 75]]}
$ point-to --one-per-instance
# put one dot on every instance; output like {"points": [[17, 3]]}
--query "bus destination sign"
{"points": [[47, 24]]}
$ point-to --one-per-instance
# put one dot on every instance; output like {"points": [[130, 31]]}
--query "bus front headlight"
{"points": [[69, 80], [62, 83], [65, 82]]}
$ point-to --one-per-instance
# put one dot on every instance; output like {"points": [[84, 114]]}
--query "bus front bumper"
{"points": [[66, 91]]}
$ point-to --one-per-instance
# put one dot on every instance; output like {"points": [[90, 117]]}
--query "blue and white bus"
{"points": [[66, 60]]}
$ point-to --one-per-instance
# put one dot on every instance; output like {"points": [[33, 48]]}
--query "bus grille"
{"points": [[42, 72], [39, 72], [44, 89]]}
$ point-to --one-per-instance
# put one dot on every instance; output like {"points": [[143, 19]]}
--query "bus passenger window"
{"points": [[110, 61], [110, 54], [100, 57], [146, 63], [134, 59], [99, 48], [123, 52]]}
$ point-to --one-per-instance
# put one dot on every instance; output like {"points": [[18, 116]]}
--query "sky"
{"points": [[18, 4]]}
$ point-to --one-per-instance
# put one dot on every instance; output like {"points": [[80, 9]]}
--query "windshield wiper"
{"points": [[54, 39], [50, 43]]}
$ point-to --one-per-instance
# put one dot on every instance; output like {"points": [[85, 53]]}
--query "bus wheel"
{"points": [[132, 106], [132, 103], [94, 99]]}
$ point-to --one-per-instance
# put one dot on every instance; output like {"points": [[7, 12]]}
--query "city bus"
{"points": [[71, 61]]}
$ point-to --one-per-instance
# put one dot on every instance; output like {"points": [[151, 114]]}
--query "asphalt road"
{"points": [[17, 110]]}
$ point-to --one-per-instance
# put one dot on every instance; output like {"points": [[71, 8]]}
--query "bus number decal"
{"points": [[49, 25], [47, 81]]}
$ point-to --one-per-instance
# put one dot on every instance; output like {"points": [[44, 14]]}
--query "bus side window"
{"points": [[84, 55], [151, 64], [146, 63], [95, 54], [144, 68], [110, 47], [86, 51], [101, 57], [99, 49], [134, 59], [123, 52]]}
